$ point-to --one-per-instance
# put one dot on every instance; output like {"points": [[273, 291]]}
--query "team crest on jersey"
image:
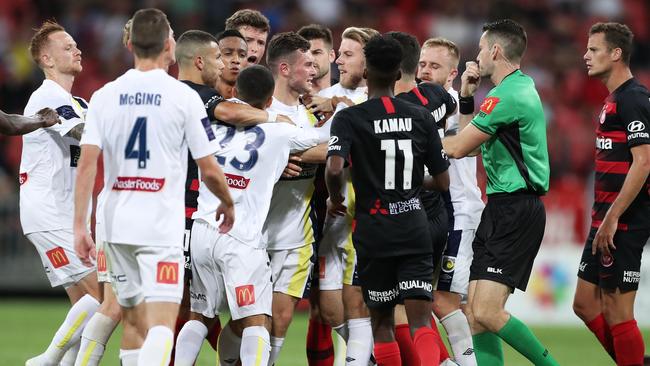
{"points": [[608, 108], [448, 263], [489, 104], [22, 178]]}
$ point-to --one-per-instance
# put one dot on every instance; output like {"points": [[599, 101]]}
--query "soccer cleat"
{"points": [[646, 360]]}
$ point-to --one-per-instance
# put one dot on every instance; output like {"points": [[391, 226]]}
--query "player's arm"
{"points": [[76, 132], [466, 142], [337, 152], [469, 82], [214, 179], [240, 114], [85, 181], [438, 182], [436, 160], [15, 124]]}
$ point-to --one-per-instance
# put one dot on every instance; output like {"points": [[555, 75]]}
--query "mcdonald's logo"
{"points": [[101, 261], [321, 267], [57, 257], [488, 104], [245, 295], [167, 273]]}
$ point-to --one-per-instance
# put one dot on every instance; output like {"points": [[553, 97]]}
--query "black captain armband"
{"points": [[466, 105]]}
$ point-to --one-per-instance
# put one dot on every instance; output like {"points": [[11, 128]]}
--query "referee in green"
{"points": [[510, 128]]}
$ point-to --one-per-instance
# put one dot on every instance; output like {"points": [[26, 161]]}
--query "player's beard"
{"points": [[210, 78], [352, 81], [300, 87], [322, 71]]}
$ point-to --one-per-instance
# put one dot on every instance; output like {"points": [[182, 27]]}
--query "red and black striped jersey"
{"points": [[624, 123], [211, 98]]}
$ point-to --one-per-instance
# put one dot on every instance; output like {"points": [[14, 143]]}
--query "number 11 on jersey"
{"points": [[139, 133], [389, 147]]}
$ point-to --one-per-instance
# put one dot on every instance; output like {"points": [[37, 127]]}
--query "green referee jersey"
{"points": [[516, 156]]}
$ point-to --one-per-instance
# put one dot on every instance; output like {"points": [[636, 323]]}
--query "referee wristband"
{"points": [[466, 105], [273, 116]]}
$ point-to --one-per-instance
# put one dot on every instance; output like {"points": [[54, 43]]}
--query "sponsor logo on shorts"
{"points": [[495, 270], [448, 263], [198, 296], [141, 184], [101, 261], [631, 276], [415, 284], [378, 209], [582, 266], [121, 278], [468, 352], [245, 295], [167, 272], [57, 257], [383, 296], [488, 104], [236, 181], [22, 178], [321, 267], [606, 260]]}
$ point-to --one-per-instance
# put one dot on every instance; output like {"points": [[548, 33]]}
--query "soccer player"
{"points": [[253, 159], [47, 168], [14, 124], [609, 272], [255, 28], [322, 48], [388, 141], [441, 105], [438, 64], [288, 231], [233, 54], [510, 128], [144, 161]]}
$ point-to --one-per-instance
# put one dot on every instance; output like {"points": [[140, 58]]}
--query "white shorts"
{"points": [[222, 266], [61, 264], [149, 273], [290, 269], [102, 269], [456, 260], [336, 257]]}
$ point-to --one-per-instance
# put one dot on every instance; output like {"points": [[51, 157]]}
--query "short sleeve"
{"points": [[211, 103], [495, 112], [301, 139], [92, 128], [340, 136], [634, 112], [435, 158], [199, 134]]}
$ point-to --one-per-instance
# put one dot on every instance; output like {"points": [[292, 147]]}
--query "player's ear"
{"points": [[198, 63], [616, 54], [269, 101], [129, 46], [332, 56], [284, 69], [452, 75]]}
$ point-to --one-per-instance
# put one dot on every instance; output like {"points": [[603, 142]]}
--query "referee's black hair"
{"points": [[410, 51], [255, 85], [511, 35], [230, 33], [383, 56]]}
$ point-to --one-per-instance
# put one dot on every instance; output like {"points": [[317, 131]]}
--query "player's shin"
{"points": [[517, 335], [360, 344], [628, 343], [599, 327], [488, 349], [407, 350], [157, 346], [70, 356], [228, 348], [188, 343], [276, 347], [94, 339], [460, 337], [320, 348], [255, 346]]}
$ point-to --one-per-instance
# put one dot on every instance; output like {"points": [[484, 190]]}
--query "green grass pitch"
{"points": [[27, 325]]}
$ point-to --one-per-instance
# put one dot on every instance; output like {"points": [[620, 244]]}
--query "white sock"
{"points": [[69, 333], [129, 357], [94, 339], [228, 346], [360, 342], [342, 331], [255, 346], [70, 355], [460, 337], [276, 346], [189, 342], [157, 346]]}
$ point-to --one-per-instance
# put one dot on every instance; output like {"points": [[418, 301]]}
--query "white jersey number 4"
{"points": [[389, 147]]}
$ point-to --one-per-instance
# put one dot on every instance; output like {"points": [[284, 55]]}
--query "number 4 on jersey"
{"points": [[139, 133]]}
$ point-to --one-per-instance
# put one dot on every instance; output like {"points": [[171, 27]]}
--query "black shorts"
{"points": [[186, 250], [438, 225], [387, 280], [623, 269], [508, 238]]}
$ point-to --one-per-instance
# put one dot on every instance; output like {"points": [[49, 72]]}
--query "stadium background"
{"points": [[557, 35]]}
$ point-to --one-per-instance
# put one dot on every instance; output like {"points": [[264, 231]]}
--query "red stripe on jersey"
{"points": [[605, 197], [417, 93], [596, 224], [194, 186], [388, 105], [615, 136], [189, 211], [612, 167]]}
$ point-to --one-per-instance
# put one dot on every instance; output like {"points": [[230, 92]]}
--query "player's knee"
{"points": [[281, 320], [111, 309], [485, 317], [441, 307]]}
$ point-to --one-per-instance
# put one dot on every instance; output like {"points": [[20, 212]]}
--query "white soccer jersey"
{"points": [[144, 123], [253, 159], [464, 191], [48, 162], [358, 95], [288, 224]]}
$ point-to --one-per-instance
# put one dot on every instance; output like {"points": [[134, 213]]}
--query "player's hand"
{"points": [[604, 239], [48, 117], [84, 247], [292, 169], [470, 79], [228, 214], [343, 99], [284, 119], [336, 209], [318, 104]]}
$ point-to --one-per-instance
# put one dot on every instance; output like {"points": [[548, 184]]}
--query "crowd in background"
{"points": [[557, 37]]}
